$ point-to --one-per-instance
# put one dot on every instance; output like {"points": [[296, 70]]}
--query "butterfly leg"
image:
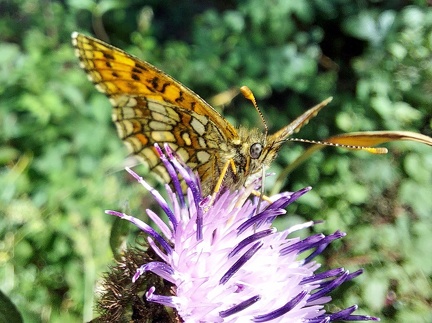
{"points": [[223, 172], [230, 163], [262, 196]]}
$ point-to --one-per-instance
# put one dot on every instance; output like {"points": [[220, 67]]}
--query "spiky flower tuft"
{"points": [[226, 261]]}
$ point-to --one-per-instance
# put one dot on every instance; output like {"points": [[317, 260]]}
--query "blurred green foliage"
{"points": [[61, 161]]}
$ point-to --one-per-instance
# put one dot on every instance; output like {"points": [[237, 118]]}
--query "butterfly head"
{"points": [[254, 152]]}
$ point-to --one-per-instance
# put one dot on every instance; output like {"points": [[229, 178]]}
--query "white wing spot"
{"points": [[203, 156], [197, 126], [203, 119], [119, 100], [98, 87], [202, 142], [131, 102], [173, 115], [183, 154], [156, 107], [149, 155], [157, 125], [128, 113], [162, 172], [126, 129]]}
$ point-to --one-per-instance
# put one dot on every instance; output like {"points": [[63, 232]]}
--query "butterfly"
{"points": [[151, 107]]}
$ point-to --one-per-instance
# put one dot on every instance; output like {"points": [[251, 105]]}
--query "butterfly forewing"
{"points": [[151, 107]]}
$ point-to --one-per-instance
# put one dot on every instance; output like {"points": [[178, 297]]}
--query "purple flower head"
{"points": [[228, 264]]}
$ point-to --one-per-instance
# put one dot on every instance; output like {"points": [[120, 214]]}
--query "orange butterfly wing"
{"points": [[151, 107]]}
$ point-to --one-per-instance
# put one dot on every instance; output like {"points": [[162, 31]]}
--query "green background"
{"points": [[61, 163]]}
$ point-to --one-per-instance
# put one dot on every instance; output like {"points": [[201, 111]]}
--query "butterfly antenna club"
{"points": [[247, 93]]}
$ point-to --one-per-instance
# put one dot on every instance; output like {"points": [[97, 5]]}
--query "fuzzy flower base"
{"points": [[228, 264]]}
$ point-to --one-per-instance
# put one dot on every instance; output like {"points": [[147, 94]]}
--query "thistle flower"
{"points": [[226, 261]]}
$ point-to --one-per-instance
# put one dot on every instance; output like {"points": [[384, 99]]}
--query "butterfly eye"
{"points": [[255, 150]]}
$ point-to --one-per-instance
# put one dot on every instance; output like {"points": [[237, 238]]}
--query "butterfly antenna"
{"points": [[373, 150], [247, 93]]}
